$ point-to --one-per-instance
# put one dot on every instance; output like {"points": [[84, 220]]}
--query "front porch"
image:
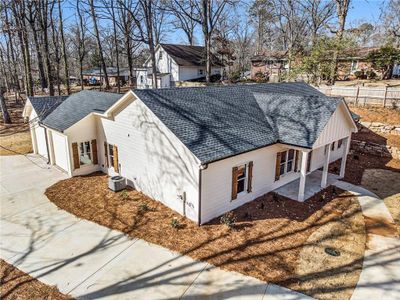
{"points": [[312, 185]]}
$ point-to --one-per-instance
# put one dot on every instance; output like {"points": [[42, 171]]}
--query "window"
{"points": [[160, 56], [340, 143], [111, 154], [241, 178], [85, 153], [201, 72], [333, 146], [141, 79], [287, 161]]}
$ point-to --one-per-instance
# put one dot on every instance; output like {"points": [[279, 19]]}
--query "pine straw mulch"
{"points": [[265, 241], [16, 284]]}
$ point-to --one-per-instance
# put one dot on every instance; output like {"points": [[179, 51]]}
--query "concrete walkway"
{"points": [[380, 276], [89, 261]]}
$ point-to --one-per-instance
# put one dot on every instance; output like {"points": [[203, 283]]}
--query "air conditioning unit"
{"points": [[116, 183]]}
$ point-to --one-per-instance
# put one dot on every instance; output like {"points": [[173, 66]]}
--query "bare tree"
{"points": [[99, 46], [342, 8], [261, 14], [63, 47], [4, 110], [391, 20], [184, 20], [319, 13]]}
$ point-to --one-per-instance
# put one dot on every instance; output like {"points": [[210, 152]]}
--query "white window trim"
{"points": [[91, 154], [285, 173], [110, 161]]}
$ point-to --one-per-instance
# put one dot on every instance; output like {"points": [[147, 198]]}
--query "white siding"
{"points": [[41, 140], [216, 181], [60, 150], [152, 159], [318, 156], [84, 130], [188, 73], [339, 126]]}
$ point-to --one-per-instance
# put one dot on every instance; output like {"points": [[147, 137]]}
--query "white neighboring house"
{"points": [[202, 151], [176, 63]]}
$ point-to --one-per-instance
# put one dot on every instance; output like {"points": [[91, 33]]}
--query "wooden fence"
{"points": [[362, 96]]}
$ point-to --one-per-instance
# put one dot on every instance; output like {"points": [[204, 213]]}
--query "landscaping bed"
{"points": [[265, 242], [16, 284]]}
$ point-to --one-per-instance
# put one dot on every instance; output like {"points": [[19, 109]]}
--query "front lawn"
{"points": [[274, 239]]}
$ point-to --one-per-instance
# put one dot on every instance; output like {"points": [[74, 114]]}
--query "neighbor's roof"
{"points": [[44, 105], [218, 122], [185, 55], [77, 106]]}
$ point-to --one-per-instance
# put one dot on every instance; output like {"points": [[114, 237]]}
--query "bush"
{"points": [[228, 219], [175, 223], [144, 207], [371, 74], [215, 77], [359, 74], [124, 194]]}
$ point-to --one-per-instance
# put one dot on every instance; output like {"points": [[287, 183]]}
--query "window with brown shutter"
{"points": [[115, 160], [250, 178], [278, 166], [234, 182], [106, 154], [75, 156], [94, 152]]}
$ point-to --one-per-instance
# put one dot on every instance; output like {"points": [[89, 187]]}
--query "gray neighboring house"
{"points": [[207, 150]]}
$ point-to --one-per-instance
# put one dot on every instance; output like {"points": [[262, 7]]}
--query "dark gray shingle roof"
{"points": [[218, 122], [44, 105], [79, 105], [186, 55]]}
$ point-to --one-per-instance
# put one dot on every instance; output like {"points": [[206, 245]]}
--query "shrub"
{"points": [[143, 206], [175, 223], [275, 197], [371, 74], [228, 219], [359, 74], [215, 77], [124, 194]]}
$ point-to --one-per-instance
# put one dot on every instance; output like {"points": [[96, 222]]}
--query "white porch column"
{"points": [[51, 146], [303, 172], [346, 147], [326, 166]]}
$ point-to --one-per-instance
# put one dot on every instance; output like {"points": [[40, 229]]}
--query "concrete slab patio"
{"points": [[313, 185], [93, 262]]}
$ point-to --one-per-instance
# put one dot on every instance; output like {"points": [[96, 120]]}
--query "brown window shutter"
{"points": [[234, 182], [309, 161], [115, 162], [75, 155], [106, 154], [296, 163], [250, 178], [94, 152], [278, 166]]}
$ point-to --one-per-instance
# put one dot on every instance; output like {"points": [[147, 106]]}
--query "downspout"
{"points": [[201, 168], [47, 144]]}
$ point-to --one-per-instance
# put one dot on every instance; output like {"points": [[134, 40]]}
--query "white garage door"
{"points": [[60, 150], [41, 140]]}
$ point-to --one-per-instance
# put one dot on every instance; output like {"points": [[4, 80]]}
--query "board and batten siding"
{"points": [[38, 136], [60, 147], [83, 131], [339, 126], [153, 160]]}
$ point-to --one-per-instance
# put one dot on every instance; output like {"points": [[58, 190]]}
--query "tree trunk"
{"points": [[97, 35], [4, 111], [63, 48], [207, 38], [116, 46], [149, 25], [12, 55]]}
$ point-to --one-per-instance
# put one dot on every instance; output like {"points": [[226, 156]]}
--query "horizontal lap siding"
{"points": [[217, 181], [152, 159]]}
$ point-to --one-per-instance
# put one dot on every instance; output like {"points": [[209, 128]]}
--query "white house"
{"points": [[201, 151], [176, 63]]}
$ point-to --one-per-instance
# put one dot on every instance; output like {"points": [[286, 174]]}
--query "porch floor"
{"points": [[313, 185]]}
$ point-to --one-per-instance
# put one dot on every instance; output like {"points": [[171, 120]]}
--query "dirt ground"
{"points": [[386, 184], [265, 242], [377, 114], [382, 139], [370, 83], [15, 138], [16, 284]]}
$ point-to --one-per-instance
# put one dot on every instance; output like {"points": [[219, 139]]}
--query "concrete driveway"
{"points": [[89, 261]]}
